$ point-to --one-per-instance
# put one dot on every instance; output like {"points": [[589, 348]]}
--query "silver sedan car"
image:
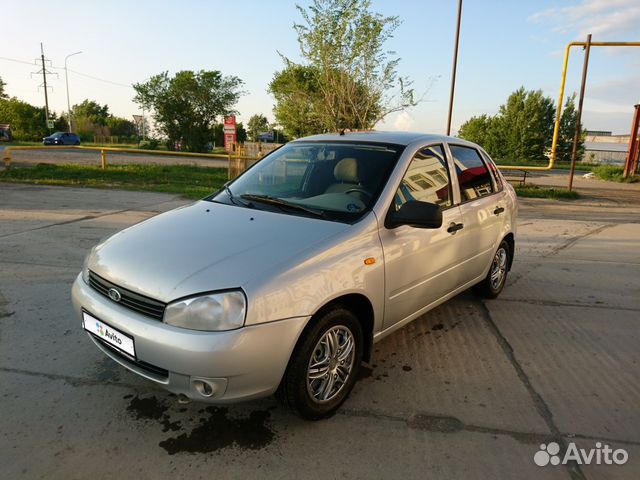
{"points": [[283, 280]]}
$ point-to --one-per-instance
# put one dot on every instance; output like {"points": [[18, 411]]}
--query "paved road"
{"points": [[469, 390]]}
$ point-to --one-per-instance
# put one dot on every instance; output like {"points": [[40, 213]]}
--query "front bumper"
{"points": [[238, 364]]}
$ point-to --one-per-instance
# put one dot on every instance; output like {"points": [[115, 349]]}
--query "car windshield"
{"points": [[331, 180], [57, 135]]}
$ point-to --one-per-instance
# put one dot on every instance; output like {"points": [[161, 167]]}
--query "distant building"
{"points": [[602, 146], [605, 152], [597, 133]]}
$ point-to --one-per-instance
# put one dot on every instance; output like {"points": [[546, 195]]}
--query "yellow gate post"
{"points": [[103, 158], [7, 158], [556, 127]]}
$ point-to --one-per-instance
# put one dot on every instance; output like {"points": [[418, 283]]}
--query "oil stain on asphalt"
{"points": [[216, 431], [221, 431]]}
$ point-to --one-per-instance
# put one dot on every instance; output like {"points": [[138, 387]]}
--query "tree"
{"points": [[480, 130], [522, 129], [298, 98], [187, 106], [256, 125], [121, 127], [90, 118], [349, 81], [3, 94], [217, 133], [92, 111], [27, 121], [241, 133], [567, 132], [525, 125]]}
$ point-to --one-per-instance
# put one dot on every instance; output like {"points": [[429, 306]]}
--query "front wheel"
{"points": [[494, 282], [324, 365]]}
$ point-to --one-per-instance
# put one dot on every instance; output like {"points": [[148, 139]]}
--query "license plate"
{"points": [[109, 334]]}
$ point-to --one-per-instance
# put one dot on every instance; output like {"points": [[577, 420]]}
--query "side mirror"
{"points": [[415, 214]]}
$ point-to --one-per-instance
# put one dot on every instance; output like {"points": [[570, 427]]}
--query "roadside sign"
{"points": [[50, 124], [229, 132], [268, 136]]}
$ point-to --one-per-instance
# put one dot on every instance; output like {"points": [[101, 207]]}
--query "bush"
{"points": [[612, 173], [150, 144]]}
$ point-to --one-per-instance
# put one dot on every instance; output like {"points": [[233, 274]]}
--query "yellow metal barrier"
{"points": [[103, 153], [556, 127]]}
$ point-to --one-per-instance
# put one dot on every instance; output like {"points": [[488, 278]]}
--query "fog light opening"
{"points": [[204, 388]]}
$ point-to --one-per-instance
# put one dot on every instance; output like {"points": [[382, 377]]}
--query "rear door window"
{"points": [[474, 177]]}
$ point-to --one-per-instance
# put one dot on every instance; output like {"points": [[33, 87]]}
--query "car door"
{"points": [[482, 204], [421, 264]]}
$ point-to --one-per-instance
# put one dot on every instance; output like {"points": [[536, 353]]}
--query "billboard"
{"points": [[229, 132]]}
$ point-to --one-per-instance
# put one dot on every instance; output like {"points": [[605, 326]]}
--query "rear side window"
{"points": [[494, 171], [473, 175], [426, 180]]}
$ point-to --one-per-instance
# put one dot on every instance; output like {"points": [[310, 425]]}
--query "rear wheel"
{"points": [[324, 365], [494, 282]]}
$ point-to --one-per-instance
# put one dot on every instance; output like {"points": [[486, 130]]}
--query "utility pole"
{"points": [[44, 73], [576, 138], [455, 64], [44, 81]]}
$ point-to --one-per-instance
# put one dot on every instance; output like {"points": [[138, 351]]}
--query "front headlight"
{"points": [[85, 266], [213, 312]]}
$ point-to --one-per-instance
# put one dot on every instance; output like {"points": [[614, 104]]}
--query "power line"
{"points": [[18, 61], [15, 60], [99, 79]]}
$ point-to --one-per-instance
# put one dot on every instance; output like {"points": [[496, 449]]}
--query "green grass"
{"points": [[587, 167], [20, 143], [612, 173], [535, 191], [188, 181]]}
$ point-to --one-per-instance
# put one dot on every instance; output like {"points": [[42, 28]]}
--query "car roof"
{"points": [[397, 138]]}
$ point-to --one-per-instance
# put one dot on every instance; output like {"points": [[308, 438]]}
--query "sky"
{"points": [[504, 44]]}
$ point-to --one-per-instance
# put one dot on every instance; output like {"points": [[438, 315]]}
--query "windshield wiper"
{"points": [[283, 203], [232, 198]]}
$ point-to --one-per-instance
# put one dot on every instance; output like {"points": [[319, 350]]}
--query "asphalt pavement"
{"points": [[61, 156], [470, 390]]}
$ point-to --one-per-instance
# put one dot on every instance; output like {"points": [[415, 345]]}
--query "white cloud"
{"points": [[605, 19], [403, 122]]}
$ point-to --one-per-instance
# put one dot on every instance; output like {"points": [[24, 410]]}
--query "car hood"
{"points": [[205, 246]]}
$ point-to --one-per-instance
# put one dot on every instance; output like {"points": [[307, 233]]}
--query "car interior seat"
{"points": [[347, 177]]}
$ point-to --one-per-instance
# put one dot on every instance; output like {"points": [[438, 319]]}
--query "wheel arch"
{"points": [[510, 239], [362, 308]]}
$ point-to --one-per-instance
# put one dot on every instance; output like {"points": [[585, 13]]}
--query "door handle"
{"points": [[454, 227], [498, 210]]}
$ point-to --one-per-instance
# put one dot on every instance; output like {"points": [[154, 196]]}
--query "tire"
{"points": [[494, 282], [323, 344]]}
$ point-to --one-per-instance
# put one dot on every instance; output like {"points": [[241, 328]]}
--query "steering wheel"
{"points": [[360, 190]]}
